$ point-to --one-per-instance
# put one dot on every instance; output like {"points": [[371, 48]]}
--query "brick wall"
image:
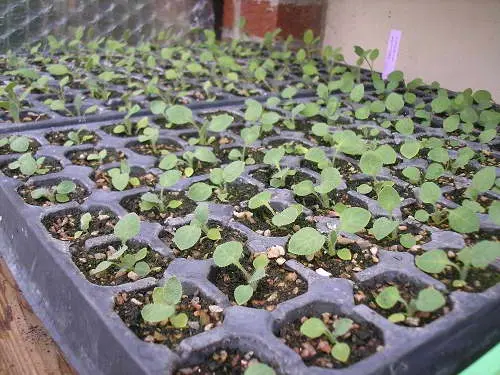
{"points": [[292, 16]]}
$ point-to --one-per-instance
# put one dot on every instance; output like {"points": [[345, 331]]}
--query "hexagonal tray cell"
{"points": [[279, 284], [94, 157], [202, 316], [66, 224], [24, 167], [53, 191], [400, 299], [137, 177], [121, 269], [72, 137], [323, 336]]}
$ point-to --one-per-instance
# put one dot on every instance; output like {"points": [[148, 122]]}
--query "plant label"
{"points": [[391, 55]]}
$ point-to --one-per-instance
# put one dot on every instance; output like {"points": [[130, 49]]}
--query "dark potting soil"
{"points": [[205, 247], [367, 294], [279, 285], [362, 258], [202, 316], [363, 340], [79, 195], [33, 146], [79, 157], [478, 280], [222, 362], [264, 175], [162, 147], [259, 220], [86, 260], [63, 225], [131, 204], [60, 137], [51, 165]]}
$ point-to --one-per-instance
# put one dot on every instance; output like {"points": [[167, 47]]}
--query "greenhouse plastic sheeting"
{"points": [[30, 20]]}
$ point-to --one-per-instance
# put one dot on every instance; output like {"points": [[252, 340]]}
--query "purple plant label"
{"points": [[391, 55]]}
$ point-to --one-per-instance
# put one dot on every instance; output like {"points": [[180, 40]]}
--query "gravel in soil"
{"points": [[222, 362], [64, 225], [204, 248], [478, 280], [131, 204], [279, 285], [51, 165], [86, 260], [363, 339], [103, 181], [162, 147], [202, 316], [421, 236], [408, 291], [33, 146], [259, 220], [79, 157], [363, 255], [60, 137], [24, 191], [264, 175]]}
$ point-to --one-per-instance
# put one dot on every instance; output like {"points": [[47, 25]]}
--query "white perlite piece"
{"points": [[322, 272]]}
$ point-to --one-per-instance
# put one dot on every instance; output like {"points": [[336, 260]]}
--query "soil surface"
{"points": [[363, 339]]}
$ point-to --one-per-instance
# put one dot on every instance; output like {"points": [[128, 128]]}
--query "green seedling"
{"points": [[273, 158], [255, 113], [428, 300], [150, 201], [188, 235], [220, 177], [150, 136], [127, 127], [28, 165], [16, 143], [229, 253], [78, 137], [120, 177], [127, 228], [330, 180], [478, 256], [85, 221], [280, 219], [13, 102], [259, 369], [163, 307], [193, 159], [56, 194], [369, 56], [315, 328], [99, 156], [304, 109], [249, 136], [308, 241]]}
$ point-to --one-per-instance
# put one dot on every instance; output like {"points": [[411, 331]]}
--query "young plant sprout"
{"points": [[163, 307], [128, 127], [280, 219], [28, 165], [13, 102], [220, 177], [78, 137], [193, 159], [428, 300], [308, 241], [85, 221], [98, 156], [369, 56], [478, 256], [16, 143], [315, 328], [330, 180], [229, 253], [56, 194], [120, 177], [255, 113], [150, 201], [127, 228], [273, 158], [259, 369], [188, 235], [150, 136], [249, 136]]}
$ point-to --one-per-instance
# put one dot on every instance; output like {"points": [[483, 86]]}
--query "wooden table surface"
{"points": [[25, 346]]}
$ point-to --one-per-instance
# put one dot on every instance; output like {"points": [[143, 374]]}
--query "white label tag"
{"points": [[391, 55]]}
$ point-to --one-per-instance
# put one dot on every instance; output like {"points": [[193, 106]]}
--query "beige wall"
{"points": [[455, 42]]}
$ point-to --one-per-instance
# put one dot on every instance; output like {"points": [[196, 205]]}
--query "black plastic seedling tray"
{"points": [[80, 315]]}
